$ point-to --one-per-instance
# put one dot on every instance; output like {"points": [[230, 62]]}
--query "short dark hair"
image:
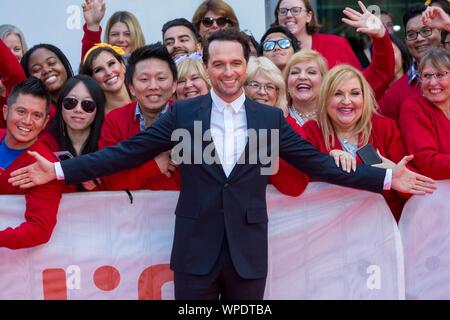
{"points": [[229, 34], [413, 12], [444, 34], [61, 56], [58, 126], [283, 30], [151, 51], [32, 86], [181, 22], [444, 4]]}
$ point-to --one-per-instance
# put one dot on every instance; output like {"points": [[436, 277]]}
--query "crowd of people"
{"points": [[399, 103]]}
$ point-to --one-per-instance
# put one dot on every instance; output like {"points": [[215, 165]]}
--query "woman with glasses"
{"points": [[105, 64], [278, 45], [298, 16], [122, 29], [347, 121], [265, 84], [192, 78], [425, 120], [213, 15]]}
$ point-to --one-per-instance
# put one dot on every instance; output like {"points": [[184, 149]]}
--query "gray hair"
{"points": [[7, 29]]}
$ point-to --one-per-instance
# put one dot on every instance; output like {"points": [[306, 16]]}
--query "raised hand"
{"points": [[344, 160], [364, 22], [38, 173], [93, 12], [436, 18], [406, 181]]}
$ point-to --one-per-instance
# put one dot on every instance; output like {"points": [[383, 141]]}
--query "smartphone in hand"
{"points": [[369, 155]]}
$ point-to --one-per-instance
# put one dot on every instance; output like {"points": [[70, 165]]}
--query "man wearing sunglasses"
{"points": [[26, 114], [419, 38], [220, 247]]}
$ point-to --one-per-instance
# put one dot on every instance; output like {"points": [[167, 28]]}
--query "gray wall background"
{"points": [[60, 22]]}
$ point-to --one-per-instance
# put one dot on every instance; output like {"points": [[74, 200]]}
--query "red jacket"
{"points": [[426, 132], [394, 97], [385, 137], [90, 39], [11, 73], [121, 124], [42, 204], [335, 49]]}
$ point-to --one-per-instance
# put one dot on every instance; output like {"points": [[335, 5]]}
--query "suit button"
{"points": [[226, 185]]}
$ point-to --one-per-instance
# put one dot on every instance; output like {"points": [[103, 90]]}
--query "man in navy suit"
{"points": [[220, 239]]}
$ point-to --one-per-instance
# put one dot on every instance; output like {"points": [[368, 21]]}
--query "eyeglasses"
{"points": [[424, 32], [295, 11], [87, 105], [269, 45], [221, 22], [447, 43], [437, 75], [268, 87]]}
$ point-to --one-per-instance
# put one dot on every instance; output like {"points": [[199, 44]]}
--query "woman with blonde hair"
{"points": [[348, 121], [264, 84], [213, 15], [122, 29], [192, 78]]}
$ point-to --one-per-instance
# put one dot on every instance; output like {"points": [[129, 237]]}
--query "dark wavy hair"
{"points": [[279, 29]]}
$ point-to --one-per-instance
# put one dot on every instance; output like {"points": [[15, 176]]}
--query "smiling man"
{"points": [[220, 246], [26, 115], [181, 38]]}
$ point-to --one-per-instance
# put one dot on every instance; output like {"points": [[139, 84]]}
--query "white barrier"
{"points": [[329, 243], [425, 230]]}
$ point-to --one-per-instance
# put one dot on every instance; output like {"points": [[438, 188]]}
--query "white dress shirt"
{"points": [[228, 130]]}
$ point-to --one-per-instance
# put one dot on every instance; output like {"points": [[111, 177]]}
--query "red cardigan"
{"points": [[121, 124], [426, 131], [11, 73], [42, 204], [335, 49], [394, 97], [385, 137], [90, 39]]}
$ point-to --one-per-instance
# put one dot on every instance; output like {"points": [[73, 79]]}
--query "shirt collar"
{"points": [[413, 73], [220, 104]]}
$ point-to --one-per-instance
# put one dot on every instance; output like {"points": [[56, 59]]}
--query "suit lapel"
{"points": [[252, 124], [204, 115]]}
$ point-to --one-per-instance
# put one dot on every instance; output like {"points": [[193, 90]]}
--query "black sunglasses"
{"points": [[87, 105], [269, 45], [221, 22]]}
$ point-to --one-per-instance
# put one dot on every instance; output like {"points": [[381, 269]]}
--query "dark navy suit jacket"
{"points": [[212, 207]]}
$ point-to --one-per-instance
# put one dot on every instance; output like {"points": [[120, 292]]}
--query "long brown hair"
{"points": [[219, 7]]}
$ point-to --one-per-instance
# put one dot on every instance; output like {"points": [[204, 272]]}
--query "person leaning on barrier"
{"points": [[220, 246]]}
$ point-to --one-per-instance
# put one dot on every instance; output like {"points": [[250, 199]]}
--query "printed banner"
{"points": [[425, 230], [329, 243]]}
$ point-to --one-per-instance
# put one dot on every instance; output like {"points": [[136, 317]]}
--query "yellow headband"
{"points": [[118, 50], [428, 2]]}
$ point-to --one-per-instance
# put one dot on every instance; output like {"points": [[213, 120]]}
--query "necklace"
{"points": [[302, 118]]}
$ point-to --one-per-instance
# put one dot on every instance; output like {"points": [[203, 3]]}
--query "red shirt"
{"points": [[385, 137], [121, 124], [42, 204], [426, 131], [335, 49]]}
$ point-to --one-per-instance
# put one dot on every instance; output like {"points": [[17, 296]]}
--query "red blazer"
{"points": [[121, 124], [380, 73], [394, 97], [335, 49], [42, 204], [385, 137], [11, 73], [426, 131]]}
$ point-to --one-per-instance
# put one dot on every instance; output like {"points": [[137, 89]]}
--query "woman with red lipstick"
{"points": [[425, 120], [347, 121], [192, 78], [105, 64]]}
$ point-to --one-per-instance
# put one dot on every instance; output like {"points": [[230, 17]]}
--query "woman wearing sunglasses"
{"points": [[213, 15], [278, 44], [75, 129]]}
